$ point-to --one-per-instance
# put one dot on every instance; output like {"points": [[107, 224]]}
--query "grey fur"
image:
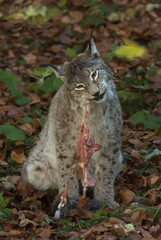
{"points": [[49, 164]]}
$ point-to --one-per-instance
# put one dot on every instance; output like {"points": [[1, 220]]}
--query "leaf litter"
{"points": [[23, 48]]}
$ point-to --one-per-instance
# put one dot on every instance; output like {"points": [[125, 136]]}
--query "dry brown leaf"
{"points": [[134, 235], [26, 221], [25, 189], [36, 123], [27, 128], [2, 102], [18, 157], [127, 211], [14, 179], [66, 19], [138, 216], [11, 54], [108, 236], [87, 233], [28, 214], [114, 220], [45, 233], [136, 155], [126, 196], [30, 58], [34, 98], [145, 233], [12, 233], [66, 40], [154, 179], [73, 235], [2, 156], [77, 16], [120, 231], [19, 143], [79, 2]]}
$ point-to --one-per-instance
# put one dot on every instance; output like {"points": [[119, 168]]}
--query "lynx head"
{"points": [[86, 77]]}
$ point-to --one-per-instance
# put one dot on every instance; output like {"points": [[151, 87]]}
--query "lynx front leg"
{"points": [[105, 174], [66, 175]]}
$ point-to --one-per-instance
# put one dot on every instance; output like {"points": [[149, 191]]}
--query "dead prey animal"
{"points": [[85, 147]]}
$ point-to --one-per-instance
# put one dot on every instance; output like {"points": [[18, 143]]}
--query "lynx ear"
{"points": [[92, 49], [55, 69]]}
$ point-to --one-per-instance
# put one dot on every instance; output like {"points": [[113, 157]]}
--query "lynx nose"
{"points": [[96, 94]]}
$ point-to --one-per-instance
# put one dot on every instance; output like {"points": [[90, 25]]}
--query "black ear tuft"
{"points": [[90, 38], [55, 69], [92, 49]]}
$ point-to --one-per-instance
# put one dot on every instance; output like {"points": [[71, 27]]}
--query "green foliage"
{"points": [[12, 133], [97, 12], [149, 121], [144, 170], [27, 119], [37, 111], [151, 70], [110, 55], [47, 220], [4, 212], [41, 72], [11, 81], [72, 52], [48, 82], [36, 14], [22, 100], [42, 121], [157, 45], [153, 153], [20, 62], [51, 84], [142, 82]]}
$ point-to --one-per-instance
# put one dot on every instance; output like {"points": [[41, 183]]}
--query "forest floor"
{"points": [[51, 34]]}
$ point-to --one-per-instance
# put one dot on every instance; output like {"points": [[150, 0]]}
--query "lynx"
{"points": [[86, 78]]}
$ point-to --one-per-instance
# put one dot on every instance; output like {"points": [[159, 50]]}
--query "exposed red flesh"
{"points": [[85, 147]]}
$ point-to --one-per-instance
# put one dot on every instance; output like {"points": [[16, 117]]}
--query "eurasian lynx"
{"points": [[86, 78]]}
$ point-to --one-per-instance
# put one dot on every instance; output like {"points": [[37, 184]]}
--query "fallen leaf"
{"points": [[145, 233], [119, 230], [138, 216], [154, 179], [14, 179], [12, 233], [45, 233], [27, 128], [18, 157], [126, 196], [77, 16], [30, 58], [25, 222], [25, 189], [28, 214], [134, 235], [114, 220], [65, 40], [87, 233]]}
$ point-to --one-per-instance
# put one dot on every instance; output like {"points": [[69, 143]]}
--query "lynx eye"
{"points": [[94, 75], [80, 86]]}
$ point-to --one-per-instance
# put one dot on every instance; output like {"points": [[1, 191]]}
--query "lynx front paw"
{"points": [[113, 205], [94, 204]]}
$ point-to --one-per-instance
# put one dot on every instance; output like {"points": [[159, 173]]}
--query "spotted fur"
{"points": [[49, 165]]}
